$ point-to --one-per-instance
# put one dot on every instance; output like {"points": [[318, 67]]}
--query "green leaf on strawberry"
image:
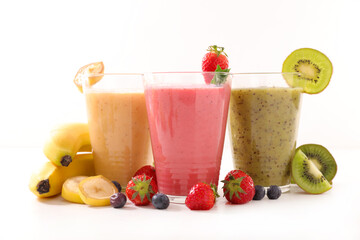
{"points": [[214, 188], [238, 187], [140, 189], [233, 186], [220, 75]]}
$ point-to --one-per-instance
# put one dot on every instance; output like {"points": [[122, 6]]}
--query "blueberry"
{"points": [[160, 201], [117, 185], [273, 192], [259, 192], [118, 200]]}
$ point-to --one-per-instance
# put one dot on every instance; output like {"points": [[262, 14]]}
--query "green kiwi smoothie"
{"points": [[263, 125]]}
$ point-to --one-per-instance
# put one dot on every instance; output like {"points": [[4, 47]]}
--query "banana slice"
{"points": [[96, 68], [97, 190], [70, 189]]}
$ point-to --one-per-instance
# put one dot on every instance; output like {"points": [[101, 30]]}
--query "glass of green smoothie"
{"points": [[263, 123]]}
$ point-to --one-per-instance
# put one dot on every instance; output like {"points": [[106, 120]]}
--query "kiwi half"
{"points": [[314, 68], [313, 168]]}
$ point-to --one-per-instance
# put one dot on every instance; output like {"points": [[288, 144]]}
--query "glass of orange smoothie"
{"points": [[118, 125]]}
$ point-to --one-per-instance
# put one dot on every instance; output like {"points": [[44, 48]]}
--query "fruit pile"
{"points": [[70, 169], [238, 189], [67, 149], [312, 169]]}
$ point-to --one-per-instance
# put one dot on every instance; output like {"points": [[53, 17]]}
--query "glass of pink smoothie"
{"points": [[118, 125], [187, 120]]}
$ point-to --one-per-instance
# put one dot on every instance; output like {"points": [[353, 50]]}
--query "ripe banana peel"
{"points": [[49, 180], [65, 141]]}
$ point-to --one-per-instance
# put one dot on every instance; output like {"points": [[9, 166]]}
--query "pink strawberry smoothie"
{"points": [[187, 129]]}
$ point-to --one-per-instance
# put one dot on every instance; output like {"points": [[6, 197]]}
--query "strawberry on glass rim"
{"points": [[216, 60], [87, 71], [216, 56]]}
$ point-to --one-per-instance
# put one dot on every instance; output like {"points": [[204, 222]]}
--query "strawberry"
{"points": [[216, 56], [148, 170], [202, 196], [215, 61], [141, 189], [238, 187]]}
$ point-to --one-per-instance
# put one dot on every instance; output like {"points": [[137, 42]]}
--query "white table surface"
{"points": [[295, 215]]}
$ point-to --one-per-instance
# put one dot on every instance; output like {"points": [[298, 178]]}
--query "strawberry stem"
{"points": [[216, 49]]}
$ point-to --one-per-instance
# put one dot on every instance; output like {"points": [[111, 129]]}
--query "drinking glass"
{"points": [[118, 125], [263, 124], [187, 118]]}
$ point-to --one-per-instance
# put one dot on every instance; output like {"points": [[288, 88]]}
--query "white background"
{"points": [[43, 43]]}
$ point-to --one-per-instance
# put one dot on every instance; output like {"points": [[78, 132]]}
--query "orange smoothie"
{"points": [[119, 133]]}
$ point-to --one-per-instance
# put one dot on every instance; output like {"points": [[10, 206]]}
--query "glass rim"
{"points": [[185, 72], [268, 73], [194, 72], [242, 73], [115, 74]]}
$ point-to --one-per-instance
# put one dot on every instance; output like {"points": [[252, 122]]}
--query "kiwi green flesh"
{"points": [[307, 176], [322, 159], [314, 68]]}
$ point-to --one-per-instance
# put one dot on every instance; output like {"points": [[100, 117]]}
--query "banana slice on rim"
{"points": [[85, 71]]}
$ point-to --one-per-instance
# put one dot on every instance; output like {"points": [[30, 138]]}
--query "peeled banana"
{"points": [[49, 180], [65, 141]]}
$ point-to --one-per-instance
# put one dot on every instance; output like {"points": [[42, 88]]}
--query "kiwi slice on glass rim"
{"points": [[314, 68], [313, 168]]}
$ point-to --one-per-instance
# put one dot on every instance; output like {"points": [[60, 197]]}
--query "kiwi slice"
{"points": [[314, 68], [322, 158], [313, 168]]}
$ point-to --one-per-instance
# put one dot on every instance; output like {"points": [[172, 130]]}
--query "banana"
{"points": [[70, 189], [49, 180], [65, 141], [97, 190]]}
